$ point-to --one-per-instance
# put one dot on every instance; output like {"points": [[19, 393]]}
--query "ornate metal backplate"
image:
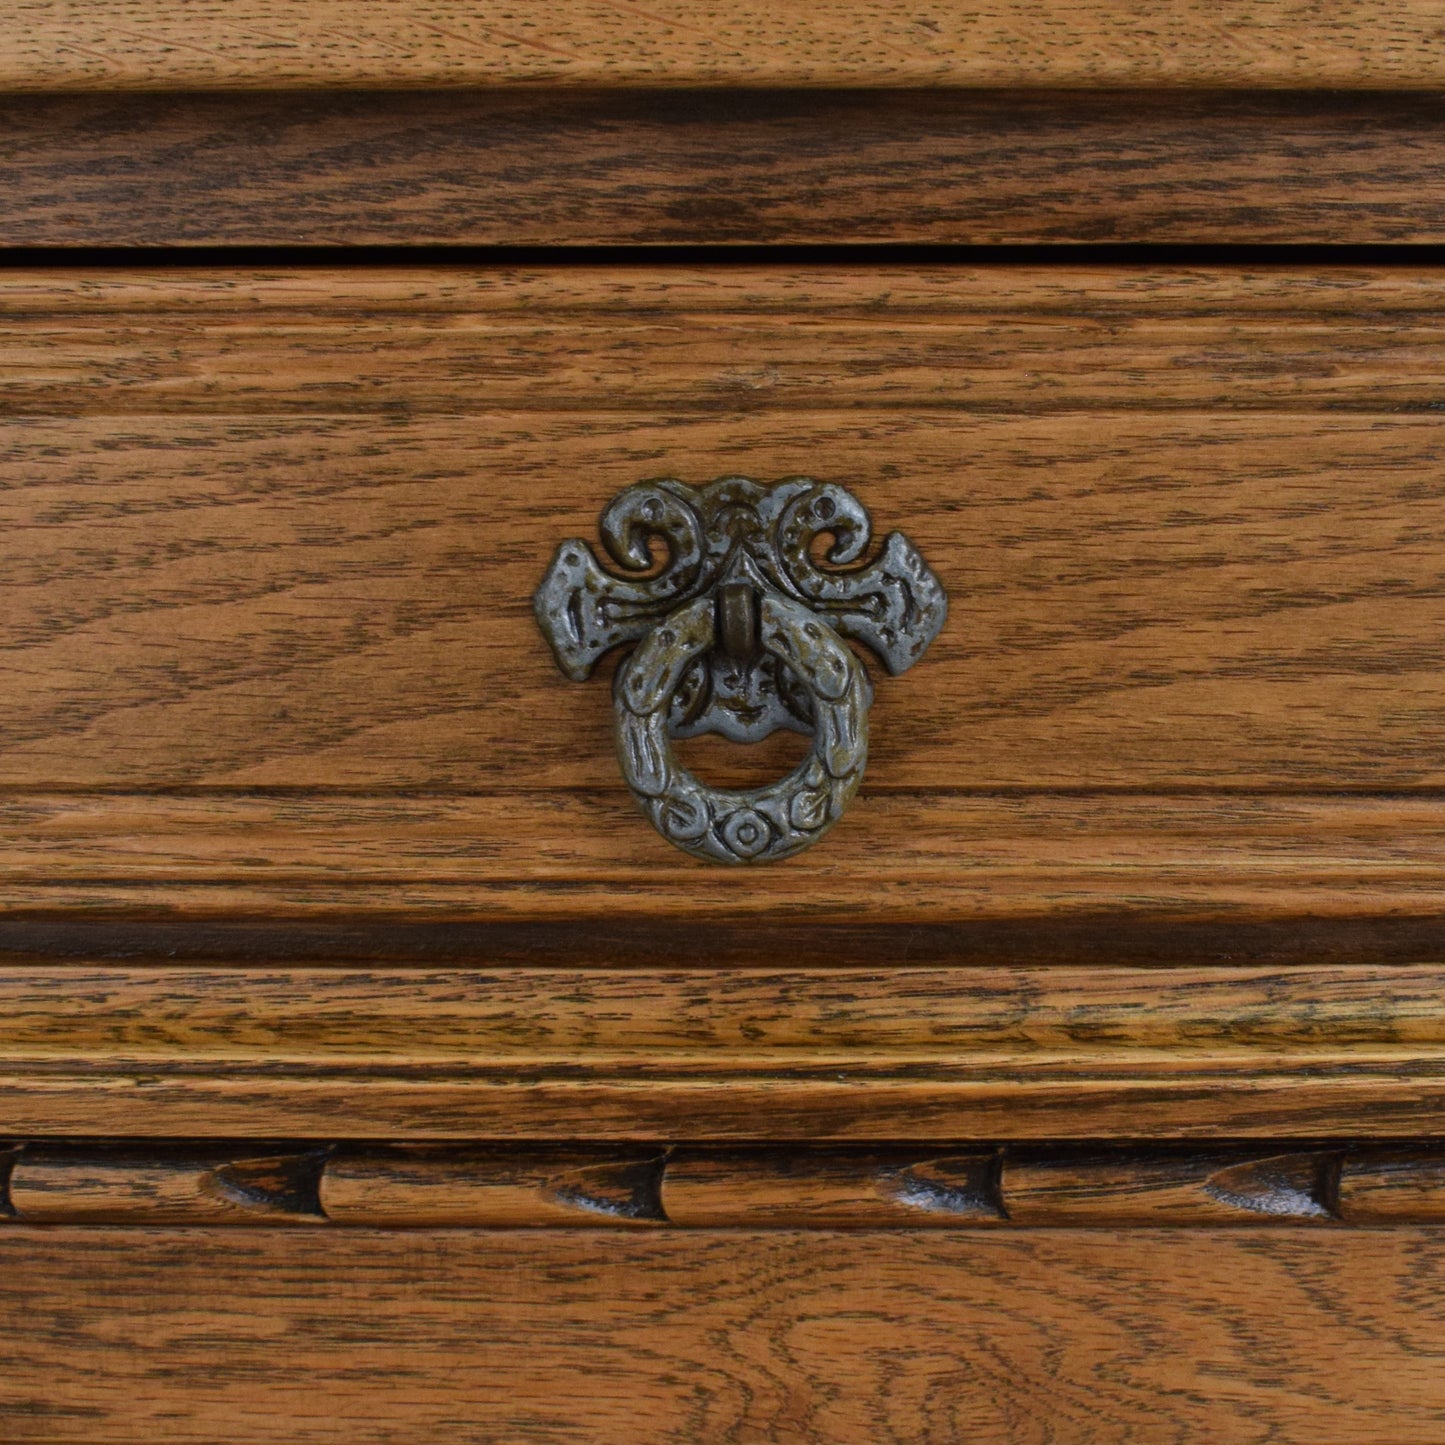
{"points": [[741, 633]]}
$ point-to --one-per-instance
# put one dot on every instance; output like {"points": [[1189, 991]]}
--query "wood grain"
{"points": [[1348, 1099], [728, 339], [529, 1188], [934, 859], [158, 1185], [516, 168], [954, 1188], [270, 539], [279, 532], [1387, 1185], [1076, 1338], [764, 1017], [261, 44], [945, 1186], [884, 1052], [286, 530], [1200, 1189]]}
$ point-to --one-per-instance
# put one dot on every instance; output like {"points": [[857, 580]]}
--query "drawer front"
{"points": [[273, 538], [278, 703]]}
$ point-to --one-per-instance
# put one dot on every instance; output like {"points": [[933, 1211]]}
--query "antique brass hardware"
{"points": [[740, 632]]}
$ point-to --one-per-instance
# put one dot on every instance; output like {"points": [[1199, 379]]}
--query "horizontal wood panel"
{"points": [[846, 288], [949, 858], [724, 339], [1273, 1336], [1169, 569], [340, 604], [757, 1018], [250, 44], [1354, 1101], [1181, 562], [1005, 362], [665, 167], [885, 1052]]}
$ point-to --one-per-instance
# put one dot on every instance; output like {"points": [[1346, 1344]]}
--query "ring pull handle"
{"points": [[740, 632]]}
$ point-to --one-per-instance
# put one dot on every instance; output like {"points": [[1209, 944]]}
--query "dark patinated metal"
{"points": [[741, 632]]}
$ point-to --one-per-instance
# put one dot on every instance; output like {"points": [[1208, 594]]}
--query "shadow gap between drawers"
{"points": [[1060, 254]]}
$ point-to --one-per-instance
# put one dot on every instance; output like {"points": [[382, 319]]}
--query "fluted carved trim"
{"points": [[943, 1186]]}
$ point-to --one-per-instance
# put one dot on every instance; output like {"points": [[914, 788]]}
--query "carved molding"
{"points": [[939, 1186]]}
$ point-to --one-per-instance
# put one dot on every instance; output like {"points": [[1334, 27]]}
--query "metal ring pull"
{"points": [[761, 823], [740, 632]]}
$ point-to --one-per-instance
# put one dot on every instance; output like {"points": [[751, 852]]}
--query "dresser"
{"points": [[722, 723]]}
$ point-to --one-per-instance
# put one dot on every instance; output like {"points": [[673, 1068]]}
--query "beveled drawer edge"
{"points": [[950, 857]]}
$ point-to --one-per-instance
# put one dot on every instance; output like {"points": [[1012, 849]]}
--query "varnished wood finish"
{"points": [[371, 1073], [718, 340], [1389, 1186], [761, 1015], [1285, 1336], [947, 1186], [663, 168], [407, 1188], [759, 1052], [953, 1188], [251, 44], [279, 531], [157, 1185], [354, 480], [1348, 1099], [937, 858]]}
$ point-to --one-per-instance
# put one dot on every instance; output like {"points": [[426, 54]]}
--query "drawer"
{"points": [[273, 538]]}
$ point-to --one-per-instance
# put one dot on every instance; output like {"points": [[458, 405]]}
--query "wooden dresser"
{"points": [[374, 1070]]}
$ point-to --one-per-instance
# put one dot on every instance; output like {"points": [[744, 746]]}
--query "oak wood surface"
{"points": [[762, 1017], [1341, 1097], [669, 1186], [517, 168], [270, 539], [864, 1053], [215, 1185], [1067, 1337], [282, 531], [279, 530], [363, 649], [459, 339], [762, 1052], [249, 44], [929, 858]]}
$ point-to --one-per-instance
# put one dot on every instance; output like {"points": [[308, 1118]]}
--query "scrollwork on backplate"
{"points": [[736, 536], [584, 611], [894, 604]]}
